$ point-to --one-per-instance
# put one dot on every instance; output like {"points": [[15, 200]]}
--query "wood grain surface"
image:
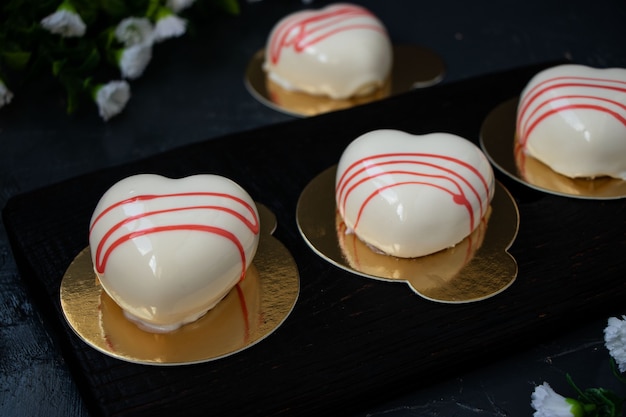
{"points": [[348, 337], [192, 92]]}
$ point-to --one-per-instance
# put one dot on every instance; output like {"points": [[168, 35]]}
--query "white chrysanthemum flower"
{"points": [[134, 30], [168, 25], [111, 98], [179, 5], [615, 340], [548, 403], [65, 21], [134, 60], [5, 94]]}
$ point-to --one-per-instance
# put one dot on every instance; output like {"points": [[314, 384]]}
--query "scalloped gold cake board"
{"points": [[251, 311]]}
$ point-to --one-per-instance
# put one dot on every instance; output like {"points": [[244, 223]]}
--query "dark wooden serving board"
{"points": [[350, 342]]}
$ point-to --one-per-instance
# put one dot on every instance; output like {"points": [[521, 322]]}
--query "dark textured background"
{"points": [[193, 91]]}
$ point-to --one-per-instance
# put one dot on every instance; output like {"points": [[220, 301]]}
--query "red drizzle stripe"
{"points": [[148, 197], [101, 259], [195, 227], [346, 183], [457, 198], [474, 240], [244, 312], [311, 30], [527, 131], [539, 91], [556, 110]]}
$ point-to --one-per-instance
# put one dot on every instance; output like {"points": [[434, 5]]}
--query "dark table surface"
{"points": [[193, 91]]}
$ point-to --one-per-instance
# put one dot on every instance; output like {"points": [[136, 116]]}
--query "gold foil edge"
{"points": [[248, 314], [477, 268], [414, 67], [498, 141]]}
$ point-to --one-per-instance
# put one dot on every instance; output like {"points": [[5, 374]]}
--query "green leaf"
{"points": [[16, 60], [57, 67], [115, 8], [26, 47], [88, 10], [616, 372], [605, 402], [73, 101], [91, 62], [73, 87], [228, 6], [152, 9]]}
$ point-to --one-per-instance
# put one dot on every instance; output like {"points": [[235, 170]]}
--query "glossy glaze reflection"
{"points": [[414, 66], [249, 313], [573, 119], [339, 51], [498, 141], [168, 250], [412, 195], [477, 268]]}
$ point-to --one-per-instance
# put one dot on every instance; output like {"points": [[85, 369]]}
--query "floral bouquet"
{"points": [[592, 402], [92, 47]]}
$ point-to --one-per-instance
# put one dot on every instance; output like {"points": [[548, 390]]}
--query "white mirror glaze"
{"points": [[168, 250], [573, 119], [339, 51], [412, 195]]}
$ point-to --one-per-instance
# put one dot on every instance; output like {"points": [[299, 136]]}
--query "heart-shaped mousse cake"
{"points": [[168, 250], [573, 119], [412, 195], [340, 51]]}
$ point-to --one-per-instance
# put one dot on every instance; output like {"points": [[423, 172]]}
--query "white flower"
{"points": [[134, 30], [615, 340], [5, 94], [548, 403], [134, 60], [168, 25], [111, 98], [65, 22], [178, 5]]}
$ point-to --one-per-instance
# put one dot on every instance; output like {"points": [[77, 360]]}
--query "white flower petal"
{"points": [[111, 98], [548, 403], [178, 5], [134, 60], [134, 30], [65, 23], [615, 340], [170, 26], [5, 95]]}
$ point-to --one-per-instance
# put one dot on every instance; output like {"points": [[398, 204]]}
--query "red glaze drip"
{"points": [[342, 232], [459, 197], [520, 156], [314, 28], [529, 126], [102, 258], [148, 197], [100, 266], [545, 91], [571, 107], [244, 312]]}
